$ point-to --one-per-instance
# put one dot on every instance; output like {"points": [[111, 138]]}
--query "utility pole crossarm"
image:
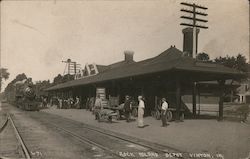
{"points": [[193, 5], [198, 13], [191, 25], [191, 18]]}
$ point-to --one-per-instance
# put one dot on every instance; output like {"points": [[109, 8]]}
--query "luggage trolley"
{"points": [[170, 114]]}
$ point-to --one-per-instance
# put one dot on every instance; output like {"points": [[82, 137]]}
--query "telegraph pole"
{"points": [[193, 10], [0, 37]]}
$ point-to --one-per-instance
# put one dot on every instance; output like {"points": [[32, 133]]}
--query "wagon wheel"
{"points": [[98, 116], [153, 113], [169, 115], [110, 119], [158, 115], [118, 117], [134, 112]]}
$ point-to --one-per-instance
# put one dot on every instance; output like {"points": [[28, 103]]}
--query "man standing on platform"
{"points": [[127, 108], [164, 108], [97, 106], [77, 103], [141, 108]]}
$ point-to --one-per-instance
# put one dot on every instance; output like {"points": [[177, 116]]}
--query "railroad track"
{"points": [[161, 148], [86, 140], [56, 121], [4, 125], [33, 146], [80, 138], [19, 138]]}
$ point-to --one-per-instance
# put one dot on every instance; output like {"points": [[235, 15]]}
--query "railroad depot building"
{"points": [[171, 74]]}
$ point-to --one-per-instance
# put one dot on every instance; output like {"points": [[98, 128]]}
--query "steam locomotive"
{"points": [[25, 96]]}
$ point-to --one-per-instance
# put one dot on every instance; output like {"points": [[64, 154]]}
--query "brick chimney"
{"points": [[128, 56], [188, 40]]}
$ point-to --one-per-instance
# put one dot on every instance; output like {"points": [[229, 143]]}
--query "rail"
{"points": [[118, 136], [85, 140], [129, 140], [161, 149], [19, 138], [4, 125]]}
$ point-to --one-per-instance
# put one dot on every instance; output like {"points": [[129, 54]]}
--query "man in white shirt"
{"points": [[97, 106], [164, 108], [141, 108]]}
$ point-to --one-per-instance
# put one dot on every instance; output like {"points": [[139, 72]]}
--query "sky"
{"points": [[37, 35]]}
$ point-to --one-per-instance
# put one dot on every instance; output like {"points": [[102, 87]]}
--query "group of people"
{"points": [[75, 103], [128, 110], [141, 107], [68, 103]]}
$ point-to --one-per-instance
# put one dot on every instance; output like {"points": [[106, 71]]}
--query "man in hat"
{"points": [[127, 108], [164, 108], [97, 106], [141, 108]]}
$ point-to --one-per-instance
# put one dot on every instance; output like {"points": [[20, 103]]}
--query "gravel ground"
{"points": [[43, 142], [231, 139], [9, 146]]}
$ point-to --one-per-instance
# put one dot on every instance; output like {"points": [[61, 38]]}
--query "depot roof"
{"points": [[171, 59]]}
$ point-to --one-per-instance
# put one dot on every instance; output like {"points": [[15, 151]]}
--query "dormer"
{"points": [[89, 70]]}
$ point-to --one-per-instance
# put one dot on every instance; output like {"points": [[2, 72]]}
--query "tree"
{"points": [[241, 63], [203, 57], [58, 79], [4, 74], [61, 79], [40, 86], [238, 62], [67, 78]]}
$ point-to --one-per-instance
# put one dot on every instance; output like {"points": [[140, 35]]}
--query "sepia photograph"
{"points": [[125, 79]]}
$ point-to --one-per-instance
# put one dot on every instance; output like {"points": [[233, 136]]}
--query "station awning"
{"points": [[170, 60]]}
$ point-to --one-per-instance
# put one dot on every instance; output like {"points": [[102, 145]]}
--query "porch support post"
{"points": [[194, 99], [142, 91], [113, 89], [178, 99], [221, 100]]}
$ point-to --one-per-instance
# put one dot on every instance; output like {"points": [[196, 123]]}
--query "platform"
{"points": [[195, 136]]}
